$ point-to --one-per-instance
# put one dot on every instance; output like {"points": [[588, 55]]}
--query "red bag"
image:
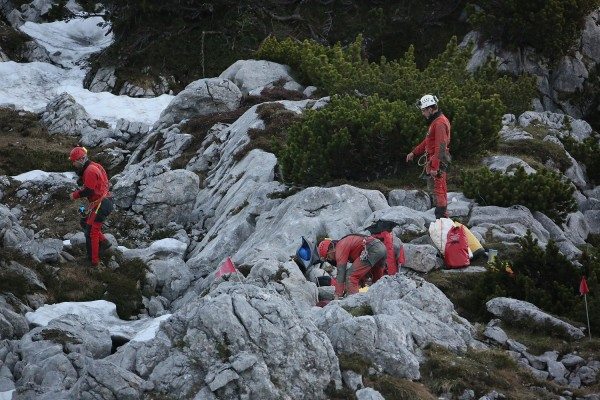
{"points": [[456, 254]]}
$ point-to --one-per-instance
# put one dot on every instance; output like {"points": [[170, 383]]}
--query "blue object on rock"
{"points": [[304, 253]]}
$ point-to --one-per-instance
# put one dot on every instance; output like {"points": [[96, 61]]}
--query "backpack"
{"points": [[456, 254]]}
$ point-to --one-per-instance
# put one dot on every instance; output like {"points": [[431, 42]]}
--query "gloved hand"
{"points": [[72, 196]]}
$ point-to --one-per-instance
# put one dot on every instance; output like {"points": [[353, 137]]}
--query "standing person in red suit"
{"points": [[436, 147], [96, 190]]}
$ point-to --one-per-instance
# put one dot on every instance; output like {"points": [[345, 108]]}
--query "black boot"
{"points": [[440, 212]]}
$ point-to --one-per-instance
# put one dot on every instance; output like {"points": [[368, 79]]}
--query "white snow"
{"points": [[168, 245], [100, 313], [6, 395], [69, 42], [94, 310], [109, 107], [30, 86], [150, 332], [43, 176]]}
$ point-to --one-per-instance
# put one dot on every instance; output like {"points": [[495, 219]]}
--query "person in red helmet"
{"points": [[96, 190], [364, 252], [436, 147]]}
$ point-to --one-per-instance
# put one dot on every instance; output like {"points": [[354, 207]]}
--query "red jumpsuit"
{"points": [[349, 249], [436, 141], [394, 254], [95, 189]]}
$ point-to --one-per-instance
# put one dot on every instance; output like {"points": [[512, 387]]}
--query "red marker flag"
{"points": [[226, 268], [583, 287]]}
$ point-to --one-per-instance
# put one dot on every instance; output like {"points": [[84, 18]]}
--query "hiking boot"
{"points": [[105, 245]]}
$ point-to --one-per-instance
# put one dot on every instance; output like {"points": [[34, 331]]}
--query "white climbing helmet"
{"points": [[427, 101]]}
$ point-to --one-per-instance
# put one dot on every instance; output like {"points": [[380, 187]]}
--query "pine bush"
{"points": [[544, 191], [371, 121], [543, 277]]}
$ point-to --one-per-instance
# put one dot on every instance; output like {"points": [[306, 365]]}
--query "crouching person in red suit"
{"points": [[364, 252]]}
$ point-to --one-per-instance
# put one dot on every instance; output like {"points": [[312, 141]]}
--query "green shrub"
{"points": [[542, 277], [544, 191], [550, 26], [588, 153], [344, 70], [350, 138], [371, 119]]}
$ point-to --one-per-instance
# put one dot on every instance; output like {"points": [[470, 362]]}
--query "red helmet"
{"points": [[323, 247], [77, 154]]}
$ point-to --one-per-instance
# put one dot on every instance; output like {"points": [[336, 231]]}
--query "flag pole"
{"points": [[587, 315]]}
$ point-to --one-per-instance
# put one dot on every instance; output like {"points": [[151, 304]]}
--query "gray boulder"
{"points": [[75, 335], [592, 218], [369, 336], [510, 130], [168, 197], [415, 199], [104, 80], [566, 246], [422, 258], [30, 277], [12, 325], [408, 315], [507, 224], [202, 97], [101, 379], [572, 360], [368, 394], [352, 380], [172, 277], [589, 37], [65, 116], [496, 333], [512, 310], [426, 312], [506, 164], [253, 75], [407, 220], [151, 158], [43, 365], [576, 228], [570, 75]]}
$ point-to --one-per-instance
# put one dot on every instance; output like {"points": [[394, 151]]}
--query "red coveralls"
{"points": [[395, 257], [348, 249], [95, 188], [438, 134]]}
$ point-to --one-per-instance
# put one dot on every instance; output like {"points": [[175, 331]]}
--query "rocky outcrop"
{"points": [[555, 85], [407, 315], [202, 97], [255, 75], [104, 80], [506, 164], [519, 311], [250, 340], [414, 199]]}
